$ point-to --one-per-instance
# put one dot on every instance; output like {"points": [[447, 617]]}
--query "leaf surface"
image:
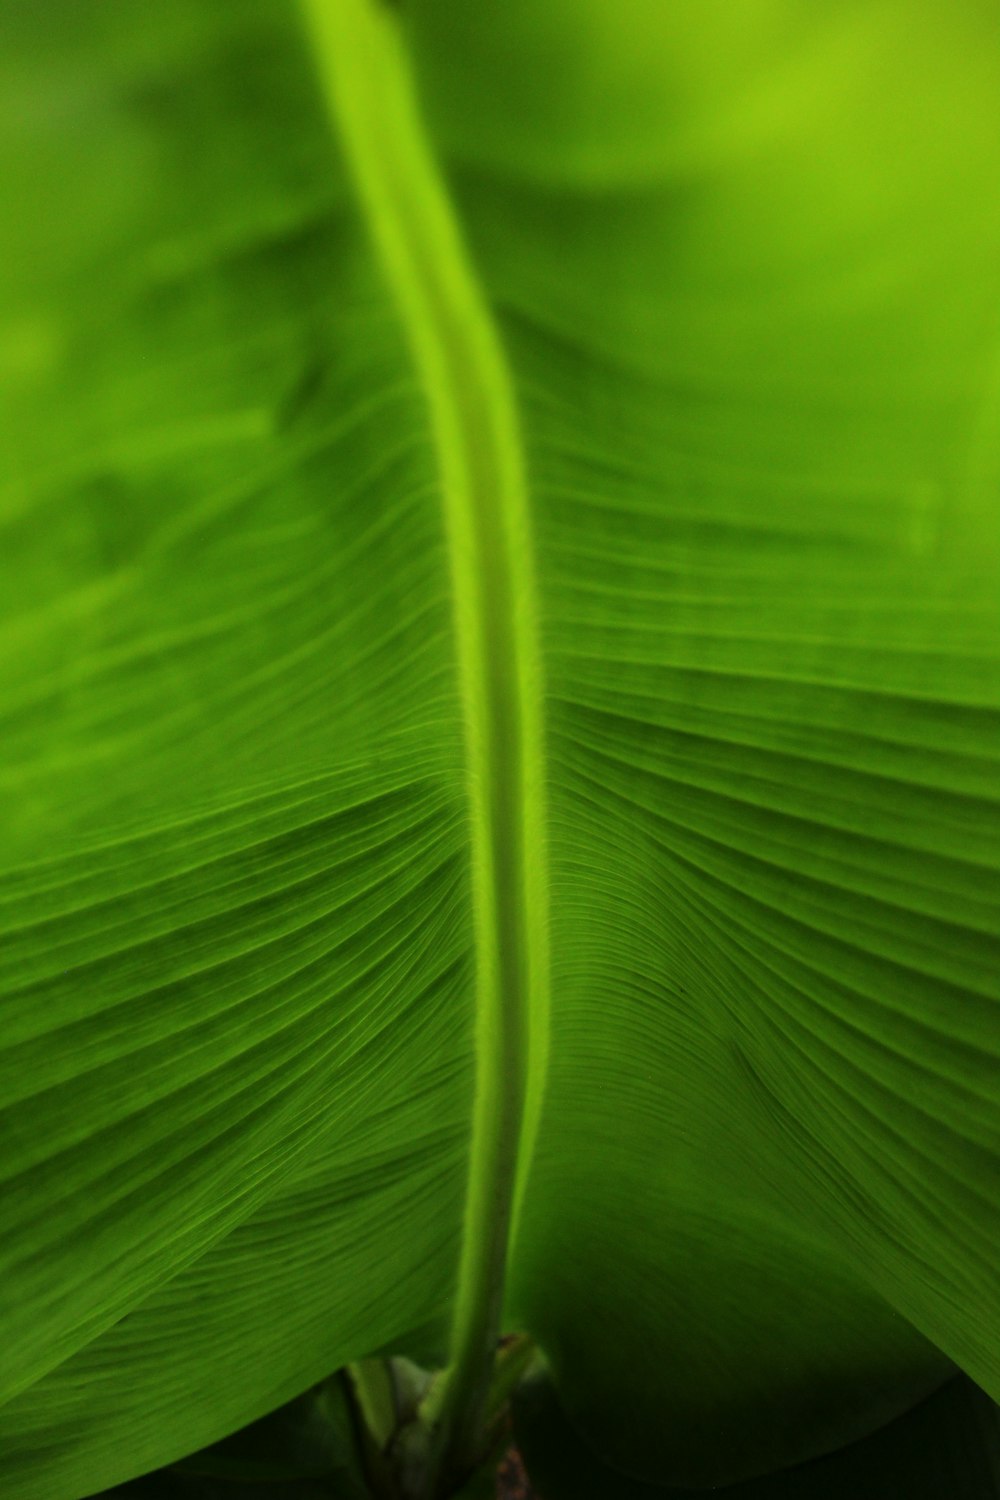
{"points": [[948, 1444], [743, 274]]}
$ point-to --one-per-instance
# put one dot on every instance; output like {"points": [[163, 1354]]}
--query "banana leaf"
{"points": [[499, 683], [947, 1445]]}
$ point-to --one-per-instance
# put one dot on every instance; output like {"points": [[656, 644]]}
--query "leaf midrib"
{"points": [[458, 355]]}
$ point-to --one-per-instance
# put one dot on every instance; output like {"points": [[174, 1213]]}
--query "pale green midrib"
{"points": [[458, 355]]}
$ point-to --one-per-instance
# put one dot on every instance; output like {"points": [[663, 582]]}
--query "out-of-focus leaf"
{"points": [[308, 1438], [166, 1484], [480, 1486], [945, 1448], [306, 1450]]}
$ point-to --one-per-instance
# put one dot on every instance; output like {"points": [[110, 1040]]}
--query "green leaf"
{"points": [[946, 1445], [373, 1389], [306, 1450], [311, 1437], [237, 1019], [720, 297], [166, 1484]]}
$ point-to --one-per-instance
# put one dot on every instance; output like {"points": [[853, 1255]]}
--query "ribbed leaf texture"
{"points": [[743, 265]]}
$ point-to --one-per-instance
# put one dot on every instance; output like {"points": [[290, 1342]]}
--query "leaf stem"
{"points": [[458, 355]]}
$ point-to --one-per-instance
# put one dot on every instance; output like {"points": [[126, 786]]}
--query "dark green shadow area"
{"points": [[945, 1448]]}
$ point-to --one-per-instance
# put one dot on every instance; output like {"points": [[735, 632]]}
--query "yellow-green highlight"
{"points": [[460, 361]]}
